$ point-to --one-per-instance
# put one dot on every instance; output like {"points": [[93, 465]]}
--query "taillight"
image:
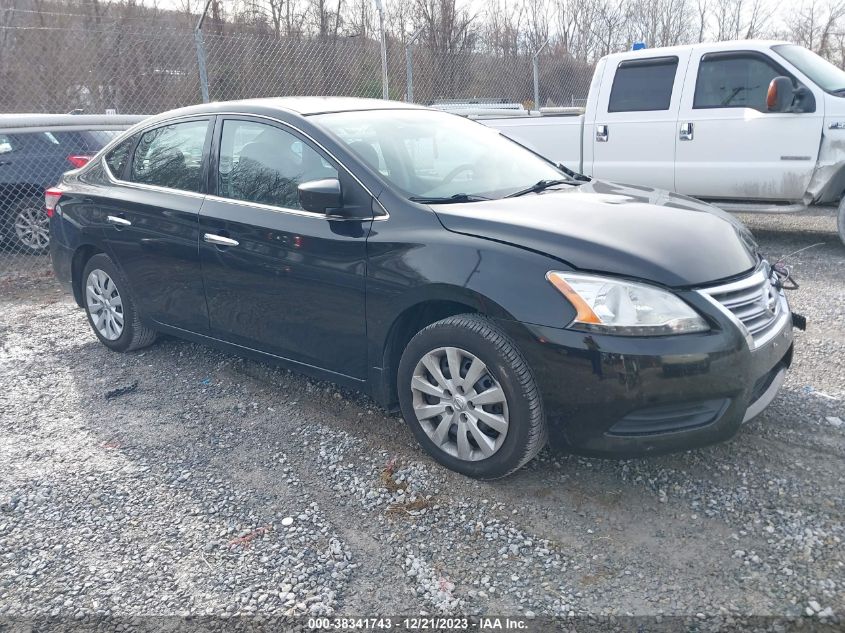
{"points": [[51, 199], [78, 160]]}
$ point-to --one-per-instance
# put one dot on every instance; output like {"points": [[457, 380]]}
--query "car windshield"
{"points": [[824, 74], [430, 155]]}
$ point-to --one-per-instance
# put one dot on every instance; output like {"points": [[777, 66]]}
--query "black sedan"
{"points": [[497, 299]]}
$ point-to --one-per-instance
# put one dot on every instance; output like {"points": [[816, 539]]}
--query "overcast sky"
{"points": [[778, 9]]}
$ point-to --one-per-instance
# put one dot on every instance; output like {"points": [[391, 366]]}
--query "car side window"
{"points": [[265, 164], [7, 144], [117, 158], [171, 156], [735, 81], [643, 85]]}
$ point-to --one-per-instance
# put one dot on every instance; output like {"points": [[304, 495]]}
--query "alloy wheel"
{"points": [[104, 304], [459, 404], [32, 227]]}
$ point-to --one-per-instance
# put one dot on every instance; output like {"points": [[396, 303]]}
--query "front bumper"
{"points": [[631, 396]]}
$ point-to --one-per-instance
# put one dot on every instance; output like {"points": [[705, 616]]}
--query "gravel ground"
{"points": [[225, 486]]}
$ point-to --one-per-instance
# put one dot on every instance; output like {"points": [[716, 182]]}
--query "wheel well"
{"points": [[80, 258], [406, 325]]}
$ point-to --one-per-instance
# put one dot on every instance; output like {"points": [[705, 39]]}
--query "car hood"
{"points": [[624, 230]]}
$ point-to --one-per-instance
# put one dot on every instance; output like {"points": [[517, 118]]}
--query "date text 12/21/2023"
{"points": [[419, 623]]}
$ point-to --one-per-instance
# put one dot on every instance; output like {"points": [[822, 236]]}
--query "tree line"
{"points": [[140, 55]]}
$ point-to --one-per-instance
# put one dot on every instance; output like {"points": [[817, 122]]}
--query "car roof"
{"points": [[301, 106], [36, 122], [321, 105]]}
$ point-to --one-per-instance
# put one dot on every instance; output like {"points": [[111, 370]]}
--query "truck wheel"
{"points": [[841, 220]]}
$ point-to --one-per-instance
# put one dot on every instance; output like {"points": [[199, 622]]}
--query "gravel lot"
{"points": [[222, 485]]}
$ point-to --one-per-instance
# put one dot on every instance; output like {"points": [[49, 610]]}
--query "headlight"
{"points": [[615, 306]]}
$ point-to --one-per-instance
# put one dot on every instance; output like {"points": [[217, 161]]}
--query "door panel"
{"points": [[633, 136], [293, 285], [738, 149], [158, 253], [152, 221]]}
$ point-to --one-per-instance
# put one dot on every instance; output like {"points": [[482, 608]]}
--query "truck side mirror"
{"points": [[781, 94]]}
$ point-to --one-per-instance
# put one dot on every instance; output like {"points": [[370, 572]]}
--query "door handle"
{"points": [[601, 134], [219, 240], [686, 133], [118, 221]]}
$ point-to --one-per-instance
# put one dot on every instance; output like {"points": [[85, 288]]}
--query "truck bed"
{"points": [[556, 136]]}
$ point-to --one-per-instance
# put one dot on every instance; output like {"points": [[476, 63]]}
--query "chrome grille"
{"points": [[754, 301]]}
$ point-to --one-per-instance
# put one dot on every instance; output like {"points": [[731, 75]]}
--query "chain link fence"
{"points": [[114, 68]]}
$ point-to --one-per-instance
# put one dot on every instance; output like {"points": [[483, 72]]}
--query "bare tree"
{"points": [[703, 11], [449, 35], [361, 19], [814, 26], [537, 23], [608, 27], [502, 27]]}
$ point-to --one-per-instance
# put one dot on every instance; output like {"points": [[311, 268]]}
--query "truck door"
{"points": [[633, 136], [729, 145]]}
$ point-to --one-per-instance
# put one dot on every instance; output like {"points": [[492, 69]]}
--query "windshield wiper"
{"points": [[458, 197], [541, 185]]}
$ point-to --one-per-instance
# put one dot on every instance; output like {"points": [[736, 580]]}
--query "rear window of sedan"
{"points": [[77, 141]]}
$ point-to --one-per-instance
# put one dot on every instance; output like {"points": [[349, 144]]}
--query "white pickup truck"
{"points": [[748, 125]]}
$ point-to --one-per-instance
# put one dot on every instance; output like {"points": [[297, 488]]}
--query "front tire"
{"points": [[110, 308], [470, 398]]}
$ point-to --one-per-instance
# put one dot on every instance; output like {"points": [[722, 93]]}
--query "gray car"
{"points": [[35, 150]]}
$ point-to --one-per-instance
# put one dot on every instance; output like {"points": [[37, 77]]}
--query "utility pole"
{"points": [[385, 93], [409, 65], [198, 40], [536, 64]]}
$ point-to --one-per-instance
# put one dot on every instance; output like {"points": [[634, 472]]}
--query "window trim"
{"points": [[140, 128], [214, 165], [115, 180], [720, 55], [134, 142], [663, 60], [303, 137], [206, 148]]}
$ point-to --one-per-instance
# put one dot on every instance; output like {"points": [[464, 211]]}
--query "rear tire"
{"points": [[489, 421], [110, 307], [28, 227]]}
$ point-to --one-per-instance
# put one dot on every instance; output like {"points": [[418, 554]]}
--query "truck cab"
{"points": [[698, 117], [706, 120]]}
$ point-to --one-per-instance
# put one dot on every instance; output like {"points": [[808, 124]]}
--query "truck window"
{"points": [[642, 85], [734, 81], [827, 76]]}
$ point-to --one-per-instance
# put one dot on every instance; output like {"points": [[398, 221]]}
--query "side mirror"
{"points": [[781, 94], [321, 196]]}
